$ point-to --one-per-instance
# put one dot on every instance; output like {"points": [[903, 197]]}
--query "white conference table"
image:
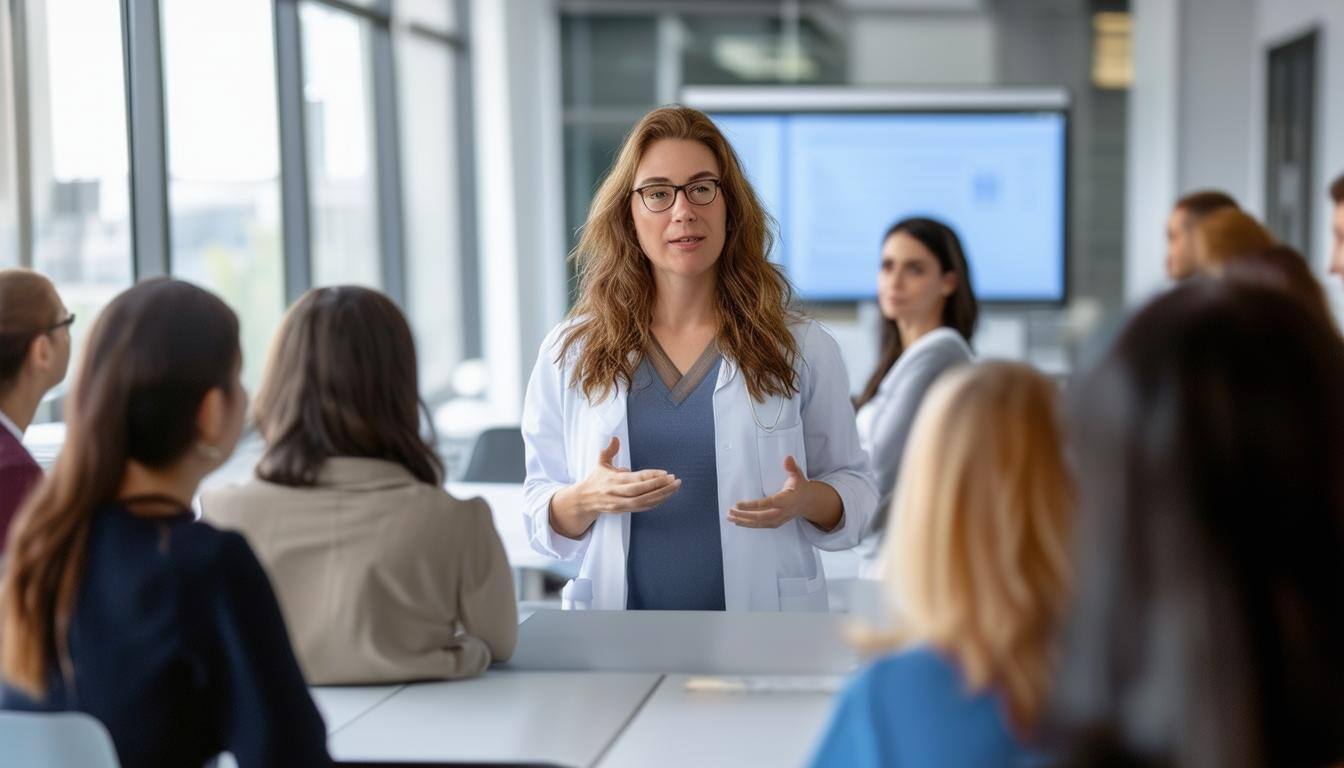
{"points": [[593, 688], [770, 726], [691, 642], [561, 718]]}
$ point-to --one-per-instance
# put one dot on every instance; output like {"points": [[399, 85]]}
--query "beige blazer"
{"points": [[381, 578]]}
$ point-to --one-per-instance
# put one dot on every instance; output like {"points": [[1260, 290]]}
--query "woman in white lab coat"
{"points": [[690, 440]]}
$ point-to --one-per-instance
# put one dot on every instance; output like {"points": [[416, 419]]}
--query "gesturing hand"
{"points": [[778, 509], [608, 489], [612, 489]]}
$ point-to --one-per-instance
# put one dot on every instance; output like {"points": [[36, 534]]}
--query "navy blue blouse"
{"points": [[179, 648]]}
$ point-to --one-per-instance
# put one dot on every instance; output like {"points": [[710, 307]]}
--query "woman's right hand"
{"points": [[608, 490]]}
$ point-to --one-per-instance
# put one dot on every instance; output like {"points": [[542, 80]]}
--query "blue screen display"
{"points": [[835, 182]]}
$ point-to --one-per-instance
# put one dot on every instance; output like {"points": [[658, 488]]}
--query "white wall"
{"points": [[516, 92], [1197, 115], [1151, 165], [1277, 21], [943, 49]]}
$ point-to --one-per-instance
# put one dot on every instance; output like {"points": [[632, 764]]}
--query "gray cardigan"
{"points": [[884, 422]]}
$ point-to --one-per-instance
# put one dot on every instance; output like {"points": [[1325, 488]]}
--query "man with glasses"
{"points": [[34, 355]]}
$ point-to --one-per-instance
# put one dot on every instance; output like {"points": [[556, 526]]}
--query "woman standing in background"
{"points": [[929, 313]]}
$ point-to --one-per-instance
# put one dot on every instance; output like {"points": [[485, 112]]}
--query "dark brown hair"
{"points": [[616, 289], [1199, 204], [960, 310], [1283, 269], [28, 307], [1206, 624], [341, 381], [153, 355], [1337, 190]]}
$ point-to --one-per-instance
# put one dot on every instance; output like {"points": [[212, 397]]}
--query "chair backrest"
{"points": [[497, 457], [55, 740]]}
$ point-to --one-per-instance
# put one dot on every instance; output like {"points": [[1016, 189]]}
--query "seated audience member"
{"points": [[1224, 235], [1208, 614], [382, 575], [977, 574], [1337, 226], [928, 317], [1185, 216], [34, 353], [1283, 269], [115, 602]]}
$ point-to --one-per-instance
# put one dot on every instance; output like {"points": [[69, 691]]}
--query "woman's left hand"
{"points": [[797, 498]]}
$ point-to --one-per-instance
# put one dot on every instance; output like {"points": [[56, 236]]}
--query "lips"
{"points": [[688, 243]]}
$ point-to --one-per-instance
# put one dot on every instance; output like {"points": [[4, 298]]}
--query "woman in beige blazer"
{"points": [[382, 575]]}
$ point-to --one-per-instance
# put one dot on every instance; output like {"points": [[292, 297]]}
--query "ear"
{"points": [[41, 353], [949, 283], [212, 417]]}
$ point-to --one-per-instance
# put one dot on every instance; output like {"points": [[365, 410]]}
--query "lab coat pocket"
{"points": [[577, 595], [771, 450], [803, 593]]}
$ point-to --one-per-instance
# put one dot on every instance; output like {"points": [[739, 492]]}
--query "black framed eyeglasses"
{"points": [[659, 197], [66, 323]]}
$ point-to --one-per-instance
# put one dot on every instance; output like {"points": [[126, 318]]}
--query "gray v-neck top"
{"points": [[675, 558]]}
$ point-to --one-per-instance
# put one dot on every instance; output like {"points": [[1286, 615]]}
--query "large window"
{"points": [[304, 142], [224, 160], [9, 203], [342, 176], [430, 173], [79, 187]]}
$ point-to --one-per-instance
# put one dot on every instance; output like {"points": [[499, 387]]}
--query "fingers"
{"points": [[793, 469], [608, 455], [756, 505], [639, 488], [770, 517], [649, 500]]}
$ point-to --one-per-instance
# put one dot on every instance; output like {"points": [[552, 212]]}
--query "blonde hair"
{"points": [[977, 559], [616, 288], [1226, 234]]}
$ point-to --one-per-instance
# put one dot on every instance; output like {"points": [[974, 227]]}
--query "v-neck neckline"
{"points": [[681, 385]]}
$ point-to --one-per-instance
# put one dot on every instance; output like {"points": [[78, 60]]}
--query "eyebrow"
{"points": [[665, 180]]}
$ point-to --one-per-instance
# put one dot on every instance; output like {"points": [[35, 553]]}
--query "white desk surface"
{"points": [[341, 705], [691, 642], [564, 718], [774, 728]]}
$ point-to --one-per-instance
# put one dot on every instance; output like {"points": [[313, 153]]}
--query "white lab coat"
{"points": [[764, 569]]}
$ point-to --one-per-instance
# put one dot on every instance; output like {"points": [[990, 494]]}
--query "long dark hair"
{"points": [[153, 355], [959, 312], [28, 307], [1209, 612], [341, 381]]}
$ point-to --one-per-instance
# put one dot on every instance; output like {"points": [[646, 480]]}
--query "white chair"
{"points": [[55, 740]]}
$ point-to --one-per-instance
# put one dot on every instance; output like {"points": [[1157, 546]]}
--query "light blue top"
{"points": [[912, 710]]}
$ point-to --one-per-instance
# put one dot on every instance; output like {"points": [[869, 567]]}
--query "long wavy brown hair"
{"points": [[616, 290], [155, 352]]}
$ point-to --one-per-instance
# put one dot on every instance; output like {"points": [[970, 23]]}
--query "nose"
{"points": [[682, 209]]}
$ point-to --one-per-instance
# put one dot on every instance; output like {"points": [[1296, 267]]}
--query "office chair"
{"points": [[496, 457], [55, 740]]}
